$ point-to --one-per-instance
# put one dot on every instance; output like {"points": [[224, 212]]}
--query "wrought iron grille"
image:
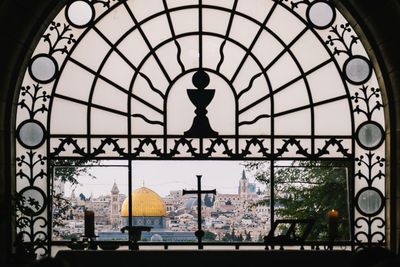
{"points": [[200, 80]]}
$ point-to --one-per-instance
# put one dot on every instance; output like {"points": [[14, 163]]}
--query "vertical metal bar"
{"points": [[199, 201], [272, 197], [199, 238], [200, 34], [130, 201], [352, 194], [50, 186]]}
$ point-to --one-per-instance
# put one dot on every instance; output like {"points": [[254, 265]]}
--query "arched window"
{"points": [[199, 79]]}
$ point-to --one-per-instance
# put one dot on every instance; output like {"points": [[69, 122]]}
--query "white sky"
{"points": [[163, 176]]}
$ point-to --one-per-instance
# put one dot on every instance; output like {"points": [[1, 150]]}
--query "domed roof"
{"points": [[145, 202], [156, 238], [189, 203]]}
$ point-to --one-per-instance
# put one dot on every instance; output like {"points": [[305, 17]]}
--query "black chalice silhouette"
{"points": [[201, 98]]}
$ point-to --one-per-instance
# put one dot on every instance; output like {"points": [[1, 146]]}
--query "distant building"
{"points": [[148, 209], [115, 218], [245, 187]]}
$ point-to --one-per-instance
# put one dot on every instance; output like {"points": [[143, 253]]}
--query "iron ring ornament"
{"points": [[31, 134], [34, 201], [370, 135], [80, 14], [204, 139], [43, 68], [369, 201], [314, 11], [357, 70]]}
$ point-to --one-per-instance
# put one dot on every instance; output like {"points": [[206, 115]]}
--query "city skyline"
{"points": [[168, 175]]}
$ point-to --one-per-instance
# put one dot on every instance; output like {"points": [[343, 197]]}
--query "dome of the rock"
{"points": [[145, 202]]}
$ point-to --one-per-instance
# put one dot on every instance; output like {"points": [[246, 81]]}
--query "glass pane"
{"points": [[89, 54], [215, 20], [231, 63], [291, 97], [118, 71], [309, 190], [134, 39], [279, 77], [98, 186], [185, 21], [113, 27], [68, 117], [284, 24], [326, 83], [370, 201], [104, 122], [301, 50], [108, 96], [267, 48], [259, 13], [143, 9], [75, 82], [160, 26], [225, 3], [254, 121], [227, 216], [298, 123], [333, 118], [243, 30]]}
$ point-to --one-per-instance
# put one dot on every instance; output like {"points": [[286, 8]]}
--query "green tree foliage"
{"points": [[207, 201], [308, 190], [248, 236], [240, 238], [260, 238], [209, 236], [67, 171]]}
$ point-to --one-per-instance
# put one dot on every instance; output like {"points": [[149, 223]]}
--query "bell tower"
{"points": [[114, 207], [243, 185]]}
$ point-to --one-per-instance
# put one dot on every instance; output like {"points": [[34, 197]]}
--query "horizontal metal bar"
{"points": [[233, 244]]}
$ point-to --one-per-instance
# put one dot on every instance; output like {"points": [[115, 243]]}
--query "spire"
{"points": [[73, 194], [114, 189], [244, 176]]}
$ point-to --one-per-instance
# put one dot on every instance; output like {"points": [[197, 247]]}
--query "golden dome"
{"points": [[145, 202]]}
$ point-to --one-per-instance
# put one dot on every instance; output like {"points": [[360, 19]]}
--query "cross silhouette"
{"points": [[199, 233]]}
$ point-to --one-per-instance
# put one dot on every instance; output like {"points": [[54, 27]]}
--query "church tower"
{"points": [[243, 185], [115, 216]]}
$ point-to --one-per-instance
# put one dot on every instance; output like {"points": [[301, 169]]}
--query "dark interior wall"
{"points": [[21, 21]]}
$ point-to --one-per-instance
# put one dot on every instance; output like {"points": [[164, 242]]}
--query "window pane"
{"points": [[95, 186], [309, 190], [228, 216]]}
